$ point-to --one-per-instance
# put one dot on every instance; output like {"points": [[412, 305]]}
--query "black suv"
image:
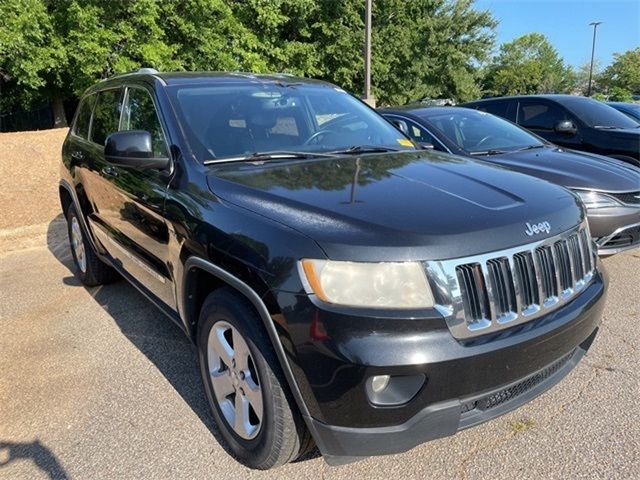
{"points": [[579, 123], [342, 287]]}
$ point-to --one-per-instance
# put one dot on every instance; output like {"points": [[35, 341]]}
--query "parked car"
{"points": [[579, 123], [631, 110], [341, 286], [609, 188]]}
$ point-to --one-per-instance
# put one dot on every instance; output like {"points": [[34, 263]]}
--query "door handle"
{"points": [[110, 172], [77, 155]]}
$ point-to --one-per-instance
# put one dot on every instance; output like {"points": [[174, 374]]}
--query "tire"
{"points": [[247, 375], [89, 268]]}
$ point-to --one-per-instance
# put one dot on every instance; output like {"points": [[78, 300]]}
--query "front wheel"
{"points": [[246, 390]]}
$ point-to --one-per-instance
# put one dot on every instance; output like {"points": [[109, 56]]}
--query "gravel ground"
{"points": [[96, 383]]}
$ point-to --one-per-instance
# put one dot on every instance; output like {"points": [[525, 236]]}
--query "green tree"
{"points": [[624, 72], [52, 50], [528, 65], [30, 52]]}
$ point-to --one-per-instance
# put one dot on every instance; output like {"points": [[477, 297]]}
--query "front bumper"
{"points": [[466, 382], [615, 229]]}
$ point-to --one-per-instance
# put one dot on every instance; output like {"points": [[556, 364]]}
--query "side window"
{"points": [[106, 115], [415, 132], [81, 126], [539, 116], [140, 114], [495, 108]]}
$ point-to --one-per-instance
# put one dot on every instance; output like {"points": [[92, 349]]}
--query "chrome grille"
{"points": [[489, 292]]}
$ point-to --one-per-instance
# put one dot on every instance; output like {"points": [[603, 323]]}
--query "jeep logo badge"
{"points": [[537, 228]]}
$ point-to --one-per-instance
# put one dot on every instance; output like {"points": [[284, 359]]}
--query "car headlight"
{"points": [[371, 285], [596, 199]]}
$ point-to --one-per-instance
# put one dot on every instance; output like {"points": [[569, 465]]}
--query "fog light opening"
{"points": [[379, 383]]}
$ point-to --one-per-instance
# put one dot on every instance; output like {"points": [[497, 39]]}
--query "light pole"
{"points": [[367, 54], [593, 49]]}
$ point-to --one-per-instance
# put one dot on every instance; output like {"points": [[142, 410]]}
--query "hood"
{"points": [[399, 206], [573, 169]]}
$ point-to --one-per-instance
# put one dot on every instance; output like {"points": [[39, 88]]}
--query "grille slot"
{"points": [[526, 277], [493, 291], [502, 286], [474, 294], [547, 267], [563, 263]]}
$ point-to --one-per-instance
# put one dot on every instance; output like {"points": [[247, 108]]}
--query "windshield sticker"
{"points": [[404, 142]]}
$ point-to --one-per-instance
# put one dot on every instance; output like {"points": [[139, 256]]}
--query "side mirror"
{"points": [[133, 148], [427, 145], [565, 126]]}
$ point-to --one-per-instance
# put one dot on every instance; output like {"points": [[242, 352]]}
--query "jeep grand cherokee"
{"points": [[342, 287]]}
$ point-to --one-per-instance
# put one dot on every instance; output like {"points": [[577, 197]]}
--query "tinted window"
{"points": [[414, 131], [495, 108], [478, 132], [541, 116], [140, 114], [106, 116], [236, 120], [597, 114], [81, 126]]}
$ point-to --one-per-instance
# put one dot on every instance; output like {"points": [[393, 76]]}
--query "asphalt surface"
{"points": [[96, 383]]}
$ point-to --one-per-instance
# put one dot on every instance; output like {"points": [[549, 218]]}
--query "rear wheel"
{"points": [[246, 390], [90, 269]]}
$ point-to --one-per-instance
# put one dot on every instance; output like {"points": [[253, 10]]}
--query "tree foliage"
{"points": [[623, 74], [51, 50], [528, 65]]}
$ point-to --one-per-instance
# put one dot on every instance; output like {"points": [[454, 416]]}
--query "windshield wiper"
{"points": [[365, 149], [530, 147], [271, 155], [488, 152]]}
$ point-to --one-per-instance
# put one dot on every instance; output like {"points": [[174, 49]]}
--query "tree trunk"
{"points": [[59, 117]]}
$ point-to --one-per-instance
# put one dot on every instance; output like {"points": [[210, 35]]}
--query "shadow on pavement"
{"points": [[35, 451], [160, 340]]}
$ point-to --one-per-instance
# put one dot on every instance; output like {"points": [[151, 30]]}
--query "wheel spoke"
{"points": [[241, 351], [222, 385], [220, 347], [242, 415], [253, 394]]}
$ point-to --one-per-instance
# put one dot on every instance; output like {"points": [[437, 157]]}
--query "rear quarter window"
{"points": [[494, 108], [83, 119]]}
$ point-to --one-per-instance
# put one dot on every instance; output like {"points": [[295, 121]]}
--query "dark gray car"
{"points": [[609, 188]]}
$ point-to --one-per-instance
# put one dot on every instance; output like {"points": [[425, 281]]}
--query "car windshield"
{"points": [[268, 120], [479, 132], [598, 114]]}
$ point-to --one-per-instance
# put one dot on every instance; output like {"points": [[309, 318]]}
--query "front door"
{"points": [[129, 204], [541, 117]]}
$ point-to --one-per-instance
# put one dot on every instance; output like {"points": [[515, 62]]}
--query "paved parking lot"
{"points": [[96, 383]]}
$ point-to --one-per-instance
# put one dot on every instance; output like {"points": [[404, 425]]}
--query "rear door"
{"points": [[129, 202], [541, 117]]}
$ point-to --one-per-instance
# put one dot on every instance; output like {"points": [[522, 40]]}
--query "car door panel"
{"points": [[127, 215], [541, 117]]}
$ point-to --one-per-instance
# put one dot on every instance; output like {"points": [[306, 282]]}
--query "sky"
{"points": [[566, 24]]}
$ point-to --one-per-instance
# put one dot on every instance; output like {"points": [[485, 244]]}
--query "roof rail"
{"points": [[143, 70]]}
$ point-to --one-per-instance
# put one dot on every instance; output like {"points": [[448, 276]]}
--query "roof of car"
{"points": [[190, 78], [548, 96], [422, 110]]}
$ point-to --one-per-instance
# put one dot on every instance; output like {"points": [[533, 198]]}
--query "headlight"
{"points": [[372, 285], [596, 200]]}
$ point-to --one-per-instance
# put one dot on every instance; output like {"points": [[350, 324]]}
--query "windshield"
{"points": [[235, 121], [598, 114], [476, 132]]}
